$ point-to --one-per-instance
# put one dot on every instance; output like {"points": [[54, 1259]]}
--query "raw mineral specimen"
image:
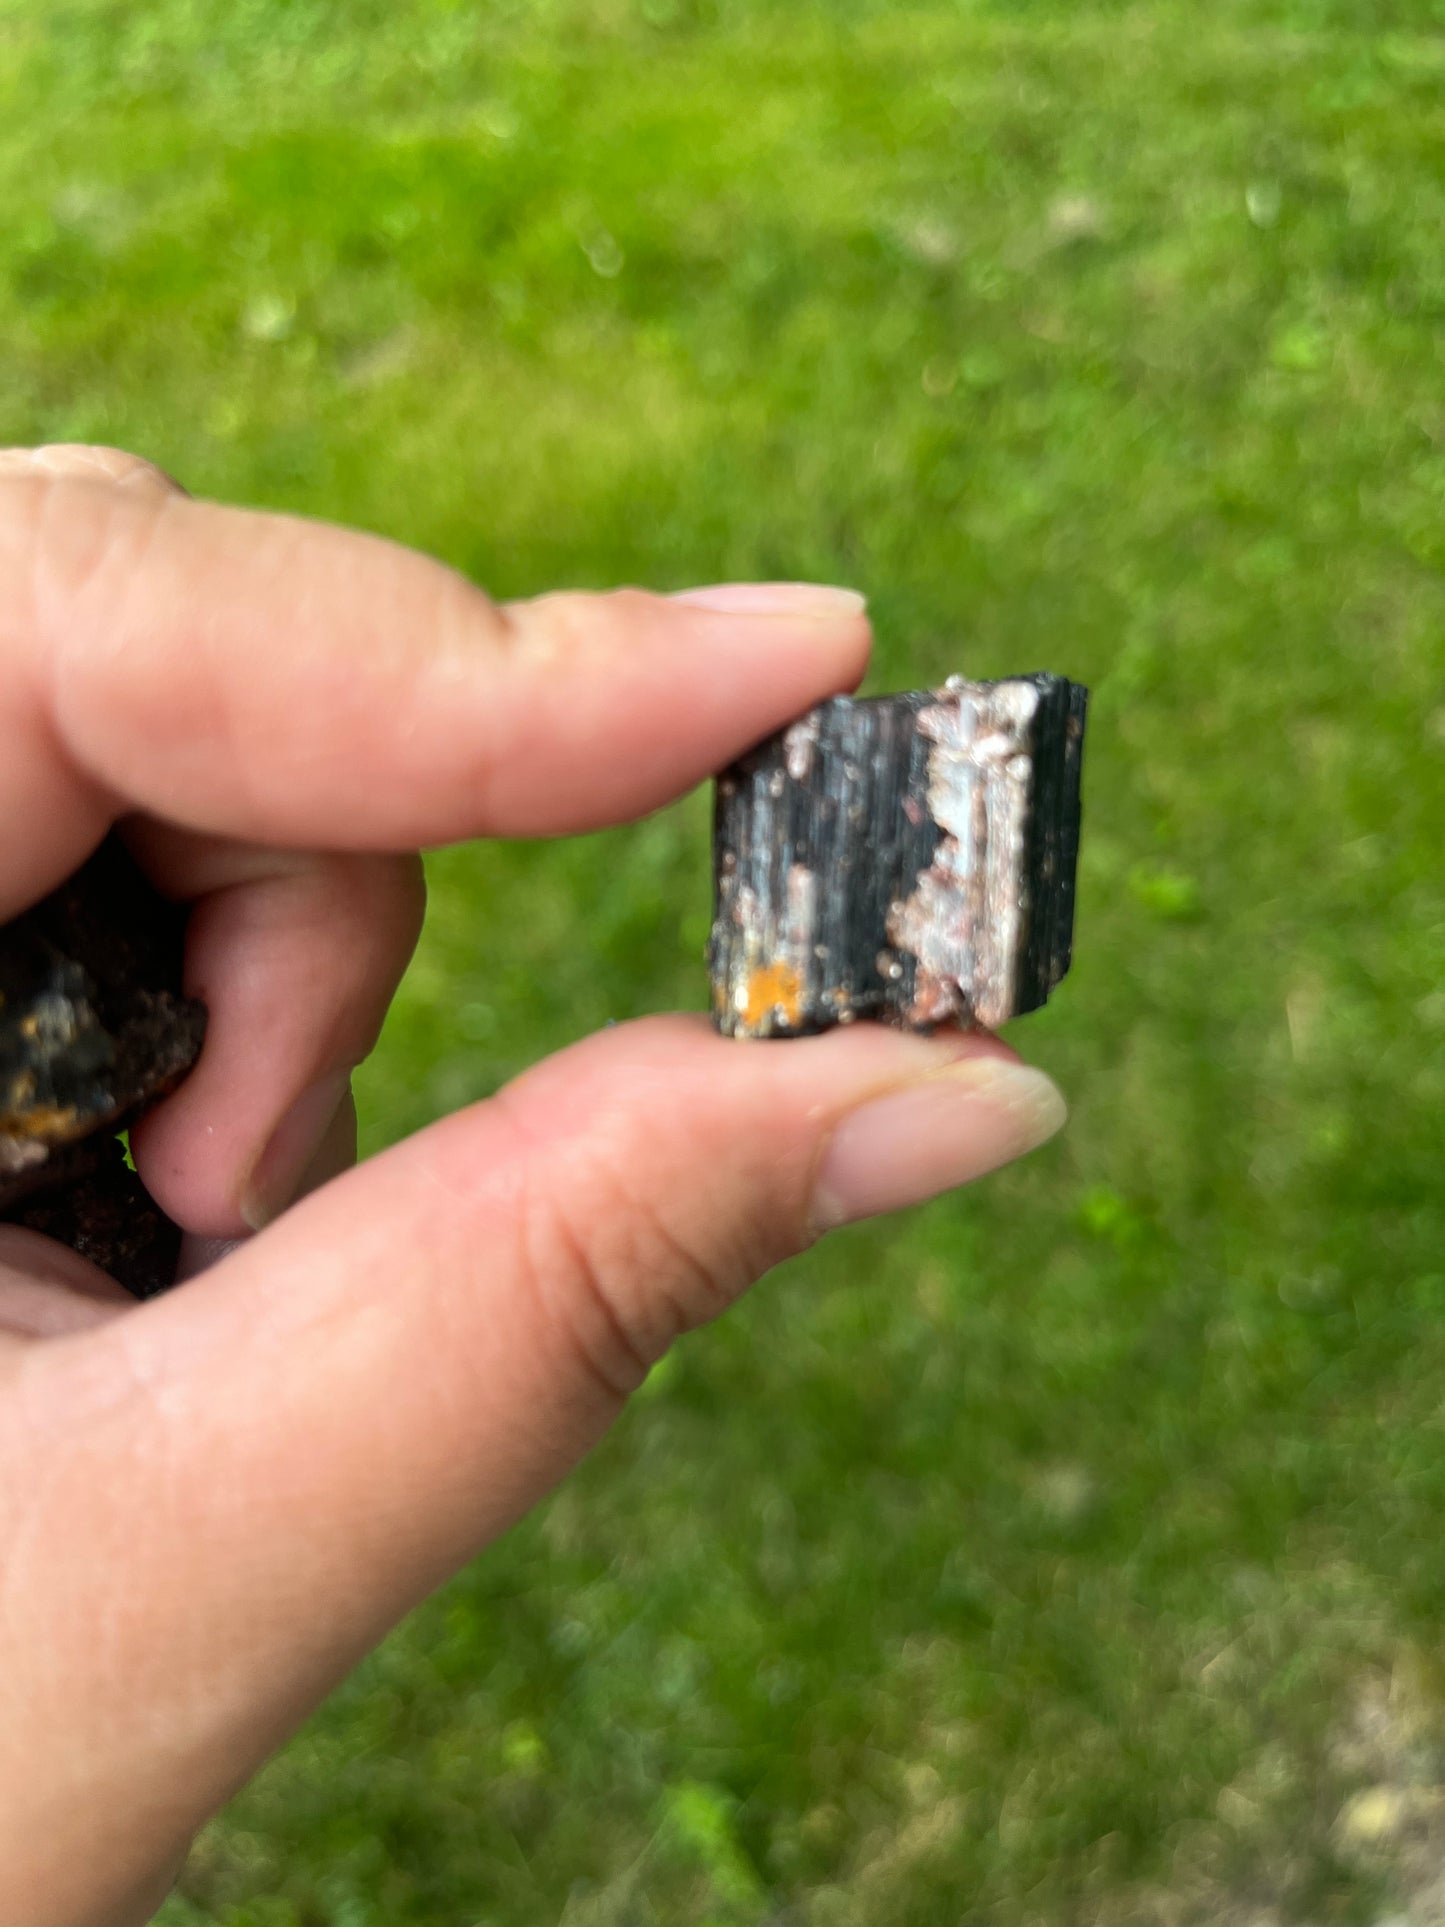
{"points": [[908, 857], [93, 1030]]}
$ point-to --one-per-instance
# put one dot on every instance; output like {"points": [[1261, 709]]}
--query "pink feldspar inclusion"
{"points": [[963, 922]]}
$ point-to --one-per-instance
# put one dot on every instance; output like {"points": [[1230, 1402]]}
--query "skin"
{"points": [[212, 1505]]}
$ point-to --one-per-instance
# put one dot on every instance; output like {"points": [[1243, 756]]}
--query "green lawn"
{"points": [[1073, 1551]]}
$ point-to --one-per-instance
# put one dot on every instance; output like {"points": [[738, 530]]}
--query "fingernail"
{"points": [[293, 1144], [943, 1131], [777, 599]]}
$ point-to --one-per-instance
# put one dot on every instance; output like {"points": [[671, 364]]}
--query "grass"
{"points": [[1070, 1552]]}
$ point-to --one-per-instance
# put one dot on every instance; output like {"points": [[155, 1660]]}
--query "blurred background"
{"points": [[1072, 1551]]}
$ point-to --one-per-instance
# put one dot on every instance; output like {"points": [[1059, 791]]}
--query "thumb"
{"points": [[296, 1448]]}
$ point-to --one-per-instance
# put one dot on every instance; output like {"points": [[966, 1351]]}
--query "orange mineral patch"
{"points": [[776, 986], [48, 1122]]}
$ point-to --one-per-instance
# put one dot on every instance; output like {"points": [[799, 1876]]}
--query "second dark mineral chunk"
{"points": [[908, 857], [94, 1029]]}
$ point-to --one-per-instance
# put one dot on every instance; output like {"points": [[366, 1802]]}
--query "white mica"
{"points": [[963, 922], [798, 746]]}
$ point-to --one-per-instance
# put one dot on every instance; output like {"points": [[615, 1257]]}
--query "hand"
{"points": [[213, 1504]]}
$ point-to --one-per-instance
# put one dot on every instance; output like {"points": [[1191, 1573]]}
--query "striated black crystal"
{"points": [[908, 857]]}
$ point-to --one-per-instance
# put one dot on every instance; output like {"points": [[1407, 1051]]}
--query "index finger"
{"points": [[291, 683]]}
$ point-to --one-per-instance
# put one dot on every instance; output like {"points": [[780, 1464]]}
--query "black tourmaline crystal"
{"points": [[906, 857], [93, 1030]]}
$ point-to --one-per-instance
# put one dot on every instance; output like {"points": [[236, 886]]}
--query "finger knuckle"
{"points": [[88, 548], [98, 462], [616, 1276], [570, 627], [67, 552]]}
